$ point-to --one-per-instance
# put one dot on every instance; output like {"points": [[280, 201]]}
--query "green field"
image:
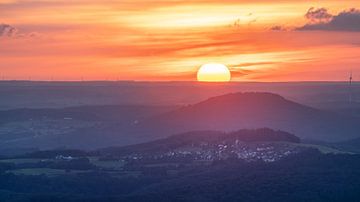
{"points": [[19, 161], [42, 171], [38, 171], [116, 165], [323, 149]]}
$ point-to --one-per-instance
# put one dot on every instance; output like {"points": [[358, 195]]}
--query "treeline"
{"points": [[308, 176], [82, 163]]}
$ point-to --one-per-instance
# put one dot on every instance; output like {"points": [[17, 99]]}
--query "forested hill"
{"points": [[198, 138]]}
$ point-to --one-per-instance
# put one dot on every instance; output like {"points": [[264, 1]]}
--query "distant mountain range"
{"points": [[91, 127], [32, 94]]}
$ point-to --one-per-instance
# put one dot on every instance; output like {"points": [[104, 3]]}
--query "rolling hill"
{"points": [[202, 139], [256, 110]]}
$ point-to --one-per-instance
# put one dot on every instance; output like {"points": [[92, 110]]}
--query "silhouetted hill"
{"points": [[198, 138], [255, 110]]}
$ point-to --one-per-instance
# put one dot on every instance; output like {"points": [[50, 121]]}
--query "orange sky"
{"points": [[170, 40]]}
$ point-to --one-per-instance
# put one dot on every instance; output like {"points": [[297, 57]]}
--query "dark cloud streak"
{"points": [[320, 15], [278, 28], [348, 20], [7, 30], [12, 32]]}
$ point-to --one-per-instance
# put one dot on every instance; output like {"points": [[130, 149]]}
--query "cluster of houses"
{"points": [[267, 152]]}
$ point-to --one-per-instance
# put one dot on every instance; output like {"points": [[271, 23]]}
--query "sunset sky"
{"points": [[259, 40]]}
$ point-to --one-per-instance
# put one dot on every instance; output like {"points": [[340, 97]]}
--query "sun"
{"points": [[213, 72]]}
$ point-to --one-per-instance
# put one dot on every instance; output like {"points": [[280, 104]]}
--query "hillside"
{"points": [[249, 145], [201, 138], [255, 110]]}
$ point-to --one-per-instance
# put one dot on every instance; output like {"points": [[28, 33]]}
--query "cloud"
{"points": [[278, 28], [250, 64], [319, 15], [7, 30], [320, 19], [12, 32]]}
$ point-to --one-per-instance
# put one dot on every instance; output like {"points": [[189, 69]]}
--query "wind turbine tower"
{"points": [[350, 88]]}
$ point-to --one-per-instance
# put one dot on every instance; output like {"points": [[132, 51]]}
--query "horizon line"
{"points": [[172, 81]]}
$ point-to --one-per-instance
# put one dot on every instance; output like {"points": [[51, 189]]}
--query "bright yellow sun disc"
{"points": [[213, 72]]}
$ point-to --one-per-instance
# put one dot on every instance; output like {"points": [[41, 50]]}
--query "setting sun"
{"points": [[213, 73]]}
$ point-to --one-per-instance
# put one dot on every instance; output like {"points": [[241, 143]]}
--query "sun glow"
{"points": [[213, 72]]}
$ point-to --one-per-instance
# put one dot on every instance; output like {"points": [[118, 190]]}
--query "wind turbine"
{"points": [[350, 88]]}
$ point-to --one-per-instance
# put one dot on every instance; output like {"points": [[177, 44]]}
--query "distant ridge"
{"points": [[104, 126]]}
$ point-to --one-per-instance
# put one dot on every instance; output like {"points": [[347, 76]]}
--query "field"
{"points": [[43, 171], [20, 161], [323, 149], [113, 164]]}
